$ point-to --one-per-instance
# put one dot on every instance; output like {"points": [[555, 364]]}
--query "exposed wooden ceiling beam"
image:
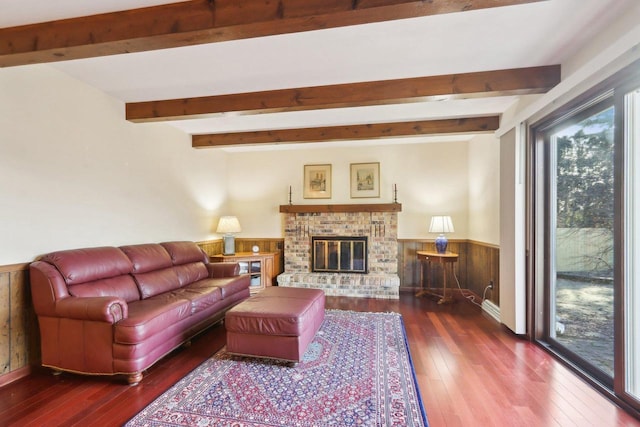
{"points": [[350, 132], [206, 21], [490, 83]]}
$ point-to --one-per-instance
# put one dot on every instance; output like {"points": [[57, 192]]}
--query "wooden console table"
{"points": [[446, 260], [259, 265]]}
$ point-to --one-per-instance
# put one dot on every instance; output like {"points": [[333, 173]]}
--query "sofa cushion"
{"points": [[147, 257], [200, 298], [185, 252], [80, 266], [157, 282], [151, 316], [192, 272], [120, 286], [228, 285]]}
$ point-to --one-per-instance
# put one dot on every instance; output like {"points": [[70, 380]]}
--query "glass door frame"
{"points": [[538, 238], [547, 204], [624, 157]]}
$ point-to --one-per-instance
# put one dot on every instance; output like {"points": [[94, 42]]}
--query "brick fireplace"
{"points": [[381, 231]]}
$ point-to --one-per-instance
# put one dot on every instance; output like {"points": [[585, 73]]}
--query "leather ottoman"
{"points": [[277, 323]]}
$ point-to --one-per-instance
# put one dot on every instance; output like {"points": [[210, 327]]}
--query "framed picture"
{"points": [[365, 180], [317, 182]]}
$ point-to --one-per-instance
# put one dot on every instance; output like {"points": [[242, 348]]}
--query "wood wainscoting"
{"points": [[19, 333], [211, 247], [477, 266]]}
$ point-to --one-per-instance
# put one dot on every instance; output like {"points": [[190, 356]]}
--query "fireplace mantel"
{"points": [[363, 207]]}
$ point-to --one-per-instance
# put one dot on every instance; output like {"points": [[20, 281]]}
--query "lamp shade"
{"points": [[441, 224], [228, 225]]}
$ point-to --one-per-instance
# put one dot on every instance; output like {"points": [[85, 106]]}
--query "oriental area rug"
{"points": [[356, 372]]}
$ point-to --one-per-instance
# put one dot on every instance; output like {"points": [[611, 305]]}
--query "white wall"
{"points": [[75, 173], [608, 52], [627, 14], [512, 236], [484, 189], [432, 179]]}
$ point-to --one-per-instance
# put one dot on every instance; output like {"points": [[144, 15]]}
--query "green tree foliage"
{"points": [[585, 173]]}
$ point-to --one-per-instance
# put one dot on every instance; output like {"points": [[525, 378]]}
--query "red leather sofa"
{"points": [[109, 310]]}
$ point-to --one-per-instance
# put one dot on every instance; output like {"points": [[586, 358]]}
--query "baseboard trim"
{"points": [[491, 309], [15, 375]]}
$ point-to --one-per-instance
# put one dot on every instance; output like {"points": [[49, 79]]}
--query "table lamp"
{"points": [[227, 226], [441, 224]]}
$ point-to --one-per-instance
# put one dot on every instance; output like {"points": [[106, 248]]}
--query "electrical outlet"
{"points": [[490, 284]]}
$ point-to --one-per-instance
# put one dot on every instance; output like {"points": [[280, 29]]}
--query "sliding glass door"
{"points": [[585, 223], [580, 156]]}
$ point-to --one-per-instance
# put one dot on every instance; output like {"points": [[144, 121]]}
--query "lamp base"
{"points": [[229, 245], [441, 244]]}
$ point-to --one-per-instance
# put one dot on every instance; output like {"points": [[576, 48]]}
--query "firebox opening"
{"points": [[339, 254]]}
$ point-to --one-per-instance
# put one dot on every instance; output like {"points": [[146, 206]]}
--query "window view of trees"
{"points": [[585, 174], [584, 199]]}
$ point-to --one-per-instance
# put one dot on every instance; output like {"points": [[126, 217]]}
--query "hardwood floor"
{"points": [[471, 372]]}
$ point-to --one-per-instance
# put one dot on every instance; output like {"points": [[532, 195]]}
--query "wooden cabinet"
{"points": [[259, 265]]}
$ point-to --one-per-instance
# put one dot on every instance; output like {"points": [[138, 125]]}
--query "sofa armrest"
{"points": [[102, 309], [223, 269]]}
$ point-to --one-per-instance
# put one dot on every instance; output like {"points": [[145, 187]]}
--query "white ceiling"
{"points": [[527, 35]]}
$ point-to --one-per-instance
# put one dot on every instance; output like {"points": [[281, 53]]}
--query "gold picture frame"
{"points": [[365, 180], [317, 182]]}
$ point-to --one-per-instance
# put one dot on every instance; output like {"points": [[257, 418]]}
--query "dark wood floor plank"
{"points": [[57, 411], [470, 371]]}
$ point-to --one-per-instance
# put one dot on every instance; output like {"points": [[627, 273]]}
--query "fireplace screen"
{"points": [[339, 254]]}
